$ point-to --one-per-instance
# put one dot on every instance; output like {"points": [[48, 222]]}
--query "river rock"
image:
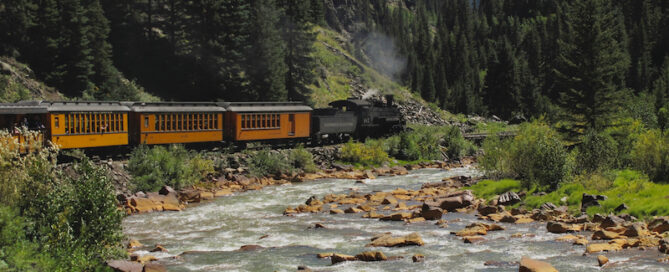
{"points": [[559, 227], [530, 265], [313, 201], [158, 248], [389, 201], [664, 246], [153, 267], [371, 256], [324, 255], [303, 268], [508, 198], [636, 230], [456, 201], [143, 259], [398, 216], [134, 243], [417, 258], [387, 240], [486, 210], [319, 226], [430, 213], [659, 225], [548, 206], [604, 235], [611, 221], [338, 258], [473, 239], [594, 248], [250, 248], [589, 200], [336, 211], [621, 208], [125, 266], [602, 260], [167, 190]]}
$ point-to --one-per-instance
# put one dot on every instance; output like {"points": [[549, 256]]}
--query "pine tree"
{"points": [[267, 69], [593, 65], [502, 82], [15, 20], [299, 39]]}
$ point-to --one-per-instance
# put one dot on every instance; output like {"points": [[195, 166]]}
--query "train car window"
{"points": [[57, 122], [278, 121], [199, 121], [264, 121], [121, 119], [174, 122], [146, 121], [96, 122], [67, 123]]}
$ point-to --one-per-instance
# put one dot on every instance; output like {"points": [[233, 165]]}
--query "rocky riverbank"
{"points": [[597, 234]]}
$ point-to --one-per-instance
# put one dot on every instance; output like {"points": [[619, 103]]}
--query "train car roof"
{"points": [[350, 103], [24, 107], [84, 106], [175, 107], [265, 106]]}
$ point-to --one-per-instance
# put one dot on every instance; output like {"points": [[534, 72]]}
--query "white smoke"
{"points": [[370, 93], [384, 55]]}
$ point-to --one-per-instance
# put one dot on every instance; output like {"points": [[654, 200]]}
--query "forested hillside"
{"points": [[561, 59]]}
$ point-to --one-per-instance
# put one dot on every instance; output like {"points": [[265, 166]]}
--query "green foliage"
{"points": [[496, 158], [371, 154], [487, 189], [650, 154], [77, 219], [16, 250], [625, 132], [267, 162], [536, 156], [597, 152], [644, 198], [153, 167], [456, 145], [301, 158]]}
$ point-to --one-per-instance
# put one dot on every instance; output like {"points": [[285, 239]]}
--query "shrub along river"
{"points": [[207, 237]]}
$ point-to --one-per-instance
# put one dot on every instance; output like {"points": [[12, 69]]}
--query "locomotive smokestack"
{"points": [[390, 99]]}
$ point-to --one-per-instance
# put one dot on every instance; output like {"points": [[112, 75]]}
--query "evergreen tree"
{"points": [[267, 69], [503, 83], [15, 20], [593, 66], [299, 39]]}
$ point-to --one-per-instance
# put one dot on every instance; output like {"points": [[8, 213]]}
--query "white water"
{"points": [[218, 228]]}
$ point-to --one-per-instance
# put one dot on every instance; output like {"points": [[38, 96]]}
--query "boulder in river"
{"points": [[486, 210], [602, 260], [430, 213], [594, 248], [473, 239], [457, 201], [417, 258], [611, 221], [559, 227], [386, 240], [371, 256], [530, 265], [659, 225], [153, 267], [664, 246], [338, 258], [508, 198], [159, 248], [604, 235], [589, 200], [125, 266]]}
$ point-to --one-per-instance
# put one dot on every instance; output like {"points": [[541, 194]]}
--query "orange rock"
{"points": [[336, 211], [415, 220], [594, 248], [353, 210], [473, 239], [387, 240], [338, 258], [602, 260], [530, 265], [371, 256], [324, 255]]}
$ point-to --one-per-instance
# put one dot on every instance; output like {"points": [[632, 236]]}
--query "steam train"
{"points": [[103, 124]]}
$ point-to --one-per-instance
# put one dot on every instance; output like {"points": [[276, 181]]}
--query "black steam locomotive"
{"points": [[356, 118]]}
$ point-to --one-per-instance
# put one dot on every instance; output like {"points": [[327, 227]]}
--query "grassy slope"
{"points": [[644, 198], [338, 69], [20, 84]]}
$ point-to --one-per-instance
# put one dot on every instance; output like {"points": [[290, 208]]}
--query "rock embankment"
{"points": [[598, 234]]}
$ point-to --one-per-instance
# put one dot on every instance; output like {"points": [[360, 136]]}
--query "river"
{"points": [[212, 232]]}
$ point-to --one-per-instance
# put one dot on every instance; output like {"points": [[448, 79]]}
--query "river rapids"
{"points": [[207, 236]]}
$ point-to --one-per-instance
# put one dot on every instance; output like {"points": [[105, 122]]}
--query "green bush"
{"points": [[364, 154], [456, 145], [625, 132], [597, 152], [17, 252], [153, 167], [266, 162], [496, 158], [77, 219], [536, 156], [302, 159], [650, 154]]}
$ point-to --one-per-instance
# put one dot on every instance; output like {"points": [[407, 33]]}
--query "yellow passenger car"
{"points": [[87, 124], [23, 126], [259, 121], [172, 122]]}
